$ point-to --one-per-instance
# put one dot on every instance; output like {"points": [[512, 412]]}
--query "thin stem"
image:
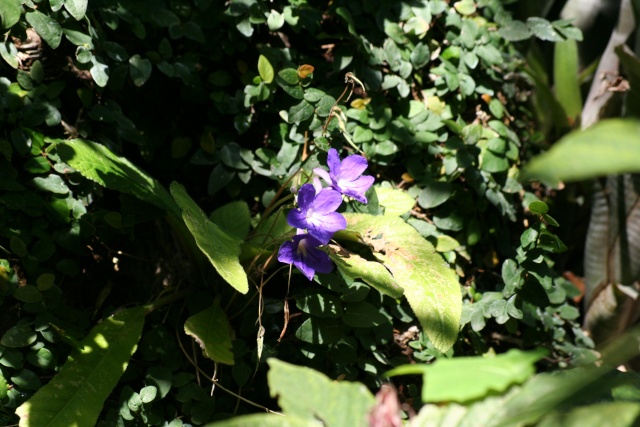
{"points": [[217, 382]]}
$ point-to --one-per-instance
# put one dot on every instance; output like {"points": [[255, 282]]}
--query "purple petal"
{"points": [[333, 160], [287, 252], [307, 270], [357, 188], [352, 167], [322, 174], [322, 227], [319, 261], [297, 218], [306, 195], [327, 200]]}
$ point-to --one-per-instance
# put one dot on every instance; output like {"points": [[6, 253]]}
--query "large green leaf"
{"points": [[47, 28], [210, 329], [395, 201], [609, 147], [373, 273], [234, 218], [75, 396], [619, 414], [10, 12], [430, 285], [77, 8], [267, 420], [565, 70], [221, 249], [97, 163], [307, 394], [463, 379]]}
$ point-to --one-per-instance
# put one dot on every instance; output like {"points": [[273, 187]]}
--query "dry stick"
{"points": [[217, 382]]}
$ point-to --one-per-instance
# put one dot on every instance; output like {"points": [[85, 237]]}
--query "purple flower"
{"points": [[345, 176], [302, 252], [316, 213]]}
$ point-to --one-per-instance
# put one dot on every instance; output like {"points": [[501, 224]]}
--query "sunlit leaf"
{"points": [[466, 378], [609, 147], [430, 285], [99, 164], [75, 396], [220, 248]]}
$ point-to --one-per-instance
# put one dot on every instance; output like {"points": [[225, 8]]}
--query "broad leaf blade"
{"points": [[266, 420], [396, 202], [96, 162], [10, 12], [75, 396], [221, 249], [565, 70], [77, 8], [234, 218], [609, 147], [372, 273], [210, 329], [307, 394], [467, 378], [430, 285]]}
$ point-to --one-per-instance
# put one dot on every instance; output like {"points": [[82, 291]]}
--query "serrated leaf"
{"points": [[76, 395], [266, 420], [607, 148], [46, 27], [210, 329], [467, 378], [334, 404], [77, 8], [97, 163], [430, 285], [10, 12], [543, 29], [221, 249], [265, 69]]}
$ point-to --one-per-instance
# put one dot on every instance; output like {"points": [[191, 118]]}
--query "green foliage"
{"points": [[210, 330], [468, 378], [431, 287], [105, 106], [582, 154], [75, 396]]}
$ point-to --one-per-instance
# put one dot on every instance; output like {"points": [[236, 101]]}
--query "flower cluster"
{"points": [[316, 218]]}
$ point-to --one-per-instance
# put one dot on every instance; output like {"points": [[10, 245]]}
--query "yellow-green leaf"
{"points": [[430, 285], [76, 395]]}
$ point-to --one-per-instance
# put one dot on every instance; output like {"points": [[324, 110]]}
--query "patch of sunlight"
{"points": [[101, 341]]}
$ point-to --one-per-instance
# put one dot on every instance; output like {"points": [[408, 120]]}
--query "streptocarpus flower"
{"points": [[303, 252], [346, 176], [317, 213]]}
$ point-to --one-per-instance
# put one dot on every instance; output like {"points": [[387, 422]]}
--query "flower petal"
{"points": [[333, 160], [306, 195], [319, 261], [297, 218], [358, 188], [326, 201], [322, 174], [322, 227], [352, 167], [287, 252]]}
